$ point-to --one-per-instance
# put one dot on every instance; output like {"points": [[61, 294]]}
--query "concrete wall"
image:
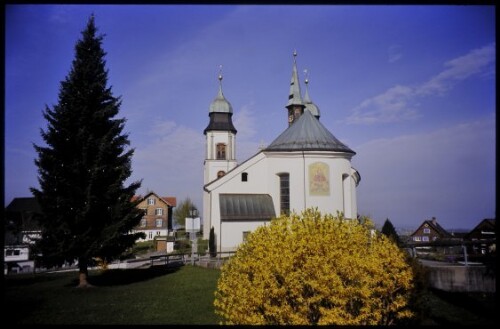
{"points": [[461, 278]]}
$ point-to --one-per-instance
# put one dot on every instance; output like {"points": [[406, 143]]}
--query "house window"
{"points": [[245, 235], [12, 252], [150, 235], [151, 201], [416, 238], [244, 177], [159, 222], [220, 173], [221, 151], [143, 222], [159, 211], [285, 193], [425, 238], [145, 211], [427, 230], [158, 232]]}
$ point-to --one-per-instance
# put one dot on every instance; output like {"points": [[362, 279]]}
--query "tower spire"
{"points": [[310, 106], [295, 104]]}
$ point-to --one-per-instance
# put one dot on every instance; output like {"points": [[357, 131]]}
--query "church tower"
{"points": [[220, 137], [295, 104]]}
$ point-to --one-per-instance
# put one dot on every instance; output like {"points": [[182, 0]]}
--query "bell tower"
{"points": [[220, 134], [295, 105]]}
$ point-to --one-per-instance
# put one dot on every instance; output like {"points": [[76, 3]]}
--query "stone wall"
{"points": [[461, 278]]}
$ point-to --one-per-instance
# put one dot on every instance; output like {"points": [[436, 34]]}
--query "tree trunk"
{"points": [[83, 273]]}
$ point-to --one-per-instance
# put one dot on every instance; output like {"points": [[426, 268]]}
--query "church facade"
{"points": [[305, 166]]}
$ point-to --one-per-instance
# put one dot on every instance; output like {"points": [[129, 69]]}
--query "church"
{"points": [[305, 166]]}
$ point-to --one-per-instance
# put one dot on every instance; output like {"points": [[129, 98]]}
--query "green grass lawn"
{"points": [[184, 295], [157, 295]]}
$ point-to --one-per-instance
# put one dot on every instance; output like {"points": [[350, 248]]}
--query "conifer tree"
{"points": [[389, 231], [88, 210]]}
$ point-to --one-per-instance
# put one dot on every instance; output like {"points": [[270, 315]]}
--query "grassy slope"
{"points": [[142, 296], [172, 296]]}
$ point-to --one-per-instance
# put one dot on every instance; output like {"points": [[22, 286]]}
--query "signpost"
{"points": [[192, 227]]}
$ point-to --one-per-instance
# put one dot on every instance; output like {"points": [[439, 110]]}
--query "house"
{"points": [[157, 219], [429, 231], [305, 166], [22, 229], [484, 231]]}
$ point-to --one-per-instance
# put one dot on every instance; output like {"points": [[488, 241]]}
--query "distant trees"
{"points": [[87, 209], [389, 231], [315, 269], [183, 210]]}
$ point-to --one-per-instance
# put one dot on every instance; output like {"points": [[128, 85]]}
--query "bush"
{"points": [[314, 269], [202, 246]]}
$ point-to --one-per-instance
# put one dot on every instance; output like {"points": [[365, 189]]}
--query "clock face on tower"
{"points": [[290, 118]]}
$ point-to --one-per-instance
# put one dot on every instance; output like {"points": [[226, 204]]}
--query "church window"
{"points": [[284, 193], [244, 177], [245, 235], [221, 151], [220, 173]]}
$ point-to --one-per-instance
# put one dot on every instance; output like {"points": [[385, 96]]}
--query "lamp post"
{"points": [[193, 228]]}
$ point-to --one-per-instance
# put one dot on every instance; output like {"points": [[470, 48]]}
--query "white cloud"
{"points": [[447, 173], [394, 53], [391, 106], [399, 103], [171, 162], [478, 61]]}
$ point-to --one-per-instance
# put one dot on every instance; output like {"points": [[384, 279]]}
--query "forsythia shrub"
{"points": [[314, 269]]}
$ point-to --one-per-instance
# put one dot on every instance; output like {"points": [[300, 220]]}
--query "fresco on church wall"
{"points": [[319, 179]]}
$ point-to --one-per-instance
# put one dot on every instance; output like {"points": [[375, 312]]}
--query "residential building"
{"points": [[430, 231], [22, 229], [484, 231], [305, 166], [157, 219]]}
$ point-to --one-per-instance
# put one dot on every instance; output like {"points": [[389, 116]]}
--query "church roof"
{"points": [[310, 106], [307, 134], [294, 97], [246, 207], [220, 104]]}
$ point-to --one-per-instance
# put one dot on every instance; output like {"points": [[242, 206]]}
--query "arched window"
{"points": [[244, 177], [221, 151], [284, 193], [220, 173]]}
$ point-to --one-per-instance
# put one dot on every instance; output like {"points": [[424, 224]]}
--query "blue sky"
{"points": [[411, 89]]}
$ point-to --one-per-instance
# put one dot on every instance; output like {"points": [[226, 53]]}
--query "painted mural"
{"points": [[319, 179]]}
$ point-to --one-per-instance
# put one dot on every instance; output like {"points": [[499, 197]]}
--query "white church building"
{"points": [[305, 166]]}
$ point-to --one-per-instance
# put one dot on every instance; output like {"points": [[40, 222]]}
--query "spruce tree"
{"points": [[88, 210], [389, 231]]}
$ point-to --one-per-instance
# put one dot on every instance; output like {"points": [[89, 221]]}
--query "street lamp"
{"points": [[193, 225]]}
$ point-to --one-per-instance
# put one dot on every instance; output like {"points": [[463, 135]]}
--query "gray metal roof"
{"points": [[307, 134], [246, 207], [220, 103], [294, 97], [310, 106]]}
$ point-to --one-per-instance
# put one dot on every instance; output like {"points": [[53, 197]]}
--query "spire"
{"points": [[220, 112], [310, 106], [295, 104], [220, 103], [294, 97]]}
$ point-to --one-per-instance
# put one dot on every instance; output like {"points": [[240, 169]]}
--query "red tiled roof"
{"points": [[171, 200]]}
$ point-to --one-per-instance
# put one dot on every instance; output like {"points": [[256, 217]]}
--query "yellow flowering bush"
{"points": [[314, 269]]}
